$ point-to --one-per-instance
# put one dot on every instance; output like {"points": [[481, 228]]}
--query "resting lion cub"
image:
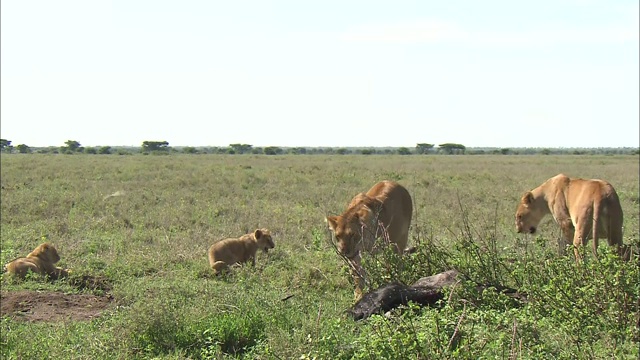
{"points": [[40, 261], [583, 208], [384, 211], [227, 252]]}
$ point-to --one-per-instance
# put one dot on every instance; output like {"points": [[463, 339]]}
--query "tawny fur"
{"points": [[584, 209], [383, 212], [227, 252], [40, 261]]}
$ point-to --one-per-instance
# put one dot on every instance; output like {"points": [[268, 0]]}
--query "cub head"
{"points": [[46, 252], [528, 214], [347, 231], [263, 237]]}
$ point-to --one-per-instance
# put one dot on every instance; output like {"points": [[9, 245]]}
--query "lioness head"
{"points": [[528, 214], [263, 237], [46, 252], [347, 231]]}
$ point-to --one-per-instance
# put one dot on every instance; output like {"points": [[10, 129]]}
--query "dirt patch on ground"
{"points": [[51, 306], [56, 306]]}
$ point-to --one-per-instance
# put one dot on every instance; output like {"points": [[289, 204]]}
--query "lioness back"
{"points": [[397, 210]]}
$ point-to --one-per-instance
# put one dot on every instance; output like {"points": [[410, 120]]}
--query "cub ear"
{"points": [[527, 198], [44, 247], [332, 221], [257, 234]]}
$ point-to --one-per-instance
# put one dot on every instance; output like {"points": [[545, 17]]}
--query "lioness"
{"points": [[227, 252], [385, 210], [40, 261], [583, 208]]}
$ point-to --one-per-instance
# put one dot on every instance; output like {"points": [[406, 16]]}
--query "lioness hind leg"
{"points": [[401, 245], [594, 245], [580, 239], [614, 238], [625, 252]]}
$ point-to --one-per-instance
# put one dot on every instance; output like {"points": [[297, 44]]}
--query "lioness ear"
{"points": [[257, 233], [364, 213], [332, 221], [527, 198]]}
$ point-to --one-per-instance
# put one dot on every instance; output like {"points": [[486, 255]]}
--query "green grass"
{"points": [[150, 244]]}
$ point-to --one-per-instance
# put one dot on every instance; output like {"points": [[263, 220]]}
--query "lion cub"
{"points": [[40, 261], [227, 252]]}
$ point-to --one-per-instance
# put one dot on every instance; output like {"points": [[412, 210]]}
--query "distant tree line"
{"points": [[154, 147]]}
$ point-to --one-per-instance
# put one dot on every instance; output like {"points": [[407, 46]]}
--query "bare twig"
{"points": [[453, 287], [513, 354], [457, 329], [318, 321]]}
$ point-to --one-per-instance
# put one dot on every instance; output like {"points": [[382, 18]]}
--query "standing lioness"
{"points": [[384, 211], [40, 261], [583, 208], [227, 252]]}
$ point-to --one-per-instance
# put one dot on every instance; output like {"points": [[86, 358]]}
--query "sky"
{"points": [[549, 73]]}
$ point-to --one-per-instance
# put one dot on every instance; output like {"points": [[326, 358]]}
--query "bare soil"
{"points": [[53, 306]]}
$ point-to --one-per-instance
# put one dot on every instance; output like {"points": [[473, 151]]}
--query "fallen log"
{"points": [[390, 296], [425, 292], [438, 281]]}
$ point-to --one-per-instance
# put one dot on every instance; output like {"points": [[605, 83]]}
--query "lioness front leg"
{"points": [[59, 273], [357, 272], [55, 272], [567, 229]]}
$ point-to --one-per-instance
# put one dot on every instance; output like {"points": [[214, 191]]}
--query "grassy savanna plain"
{"points": [[150, 245]]}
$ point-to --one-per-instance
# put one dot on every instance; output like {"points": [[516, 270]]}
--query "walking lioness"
{"points": [[227, 252], [583, 208], [384, 211]]}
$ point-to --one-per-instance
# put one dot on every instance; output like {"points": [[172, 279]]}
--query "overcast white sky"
{"points": [[551, 73]]}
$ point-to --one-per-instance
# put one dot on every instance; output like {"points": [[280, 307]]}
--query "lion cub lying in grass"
{"points": [[40, 261], [227, 252]]}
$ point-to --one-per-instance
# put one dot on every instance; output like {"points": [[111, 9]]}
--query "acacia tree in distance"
{"points": [[241, 148], [23, 149], [272, 150], [72, 145], [423, 148], [5, 145], [451, 148], [155, 146]]}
